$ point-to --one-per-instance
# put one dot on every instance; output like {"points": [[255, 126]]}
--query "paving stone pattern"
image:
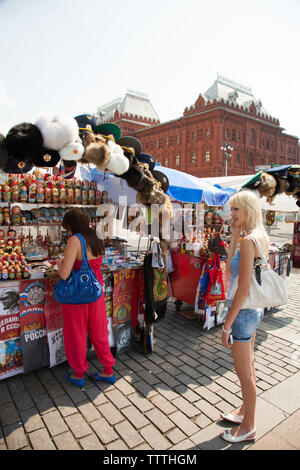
{"points": [[168, 400]]}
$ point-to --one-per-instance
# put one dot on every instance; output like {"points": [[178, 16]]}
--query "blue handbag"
{"points": [[82, 286]]}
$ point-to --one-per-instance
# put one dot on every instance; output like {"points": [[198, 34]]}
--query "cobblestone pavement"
{"points": [[168, 400]]}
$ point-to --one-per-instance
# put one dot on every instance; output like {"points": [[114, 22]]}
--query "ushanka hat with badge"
{"points": [[47, 158], [24, 141], [254, 182], [108, 128], [16, 166]]}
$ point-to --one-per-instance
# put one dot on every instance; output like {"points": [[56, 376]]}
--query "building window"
{"points": [[207, 156], [227, 134], [177, 160], [237, 159], [251, 136], [167, 141], [233, 133], [177, 139], [250, 160], [156, 143], [207, 132], [193, 135], [238, 136], [194, 158], [166, 161], [199, 133], [268, 144]]}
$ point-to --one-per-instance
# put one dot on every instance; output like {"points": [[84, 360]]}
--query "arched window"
{"points": [[177, 160], [251, 136], [207, 156]]}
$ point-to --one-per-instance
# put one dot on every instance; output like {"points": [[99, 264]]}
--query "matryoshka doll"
{"points": [[1, 189], [4, 273], [23, 194], [104, 197], [1, 215], [70, 195], [55, 195], [98, 197], [48, 196], [91, 196], [6, 194], [77, 198], [15, 193], [16, 215], [62, 196], [32, 193], [18, 272], [39, 193], [6, 216]]}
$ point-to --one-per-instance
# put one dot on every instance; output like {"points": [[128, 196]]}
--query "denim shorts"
{"points": [[245, 324]]}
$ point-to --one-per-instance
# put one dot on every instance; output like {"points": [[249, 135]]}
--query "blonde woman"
{"points": [[241, 323]]}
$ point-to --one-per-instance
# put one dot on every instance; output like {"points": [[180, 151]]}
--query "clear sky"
{"points": [[72, 56]]}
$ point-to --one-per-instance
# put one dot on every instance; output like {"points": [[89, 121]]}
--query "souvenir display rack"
{"points": [[31, 238]]}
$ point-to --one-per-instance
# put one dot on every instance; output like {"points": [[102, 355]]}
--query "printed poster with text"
{"points": [[10, 348], [33, 331], [54, 325]]}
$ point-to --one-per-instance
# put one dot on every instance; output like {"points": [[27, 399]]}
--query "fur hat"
{"points": [[57, 130], [72, 151], [24, 141], [3, 151], [17, 166], [97, 152], [118, 163], [47, 158], [130, 142]]}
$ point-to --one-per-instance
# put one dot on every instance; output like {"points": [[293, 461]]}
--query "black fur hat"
{"points": [[46, 158], [17, 166], [3, 151], [24, 141], [162, 179]]}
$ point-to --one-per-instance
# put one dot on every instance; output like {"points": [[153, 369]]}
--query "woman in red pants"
{"points": [[91, 318]]}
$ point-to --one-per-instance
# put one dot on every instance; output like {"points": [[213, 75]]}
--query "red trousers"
{"points": [[87, 318]]}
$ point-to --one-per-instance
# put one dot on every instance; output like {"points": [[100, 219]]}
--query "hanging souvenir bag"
{"points": [[267, 288], [82, 286], [215, 290]]}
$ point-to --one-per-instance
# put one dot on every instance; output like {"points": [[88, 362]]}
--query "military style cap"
{"points": [[146, 159], [128, 141], [162, 179], [108, 128], [254, 182], [86, 122]]}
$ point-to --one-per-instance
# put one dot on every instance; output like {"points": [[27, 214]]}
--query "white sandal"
{"points": [[227, 436], [237, 419]]}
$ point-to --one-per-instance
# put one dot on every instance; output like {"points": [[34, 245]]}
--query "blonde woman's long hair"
{"points": [[247, 199]]}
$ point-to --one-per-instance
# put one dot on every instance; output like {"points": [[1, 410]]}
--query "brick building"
{"points": [[227, 113]]}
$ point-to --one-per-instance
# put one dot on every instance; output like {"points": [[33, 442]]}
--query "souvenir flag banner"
{"points": [[34, 340], [126, 295]]}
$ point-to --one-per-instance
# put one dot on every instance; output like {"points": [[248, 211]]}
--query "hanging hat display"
{"points": [[47, 158], [3, 151], [24, 141], [57, 130], [107, 129]]}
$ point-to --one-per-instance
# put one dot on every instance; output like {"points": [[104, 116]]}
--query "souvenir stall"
{"points": [[199, 237], [31, 237]]}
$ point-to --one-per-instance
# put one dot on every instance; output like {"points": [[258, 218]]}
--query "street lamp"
{"points": [[227, 149]]}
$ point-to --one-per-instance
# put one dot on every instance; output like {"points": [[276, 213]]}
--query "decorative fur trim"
{"points": [[118, 163], [97, 153]]}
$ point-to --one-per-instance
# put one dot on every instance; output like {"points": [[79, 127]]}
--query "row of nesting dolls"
{"points": [[37, 216]]}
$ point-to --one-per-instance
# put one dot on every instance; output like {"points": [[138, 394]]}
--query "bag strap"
{"points": [[83, 249], [259, 246]]}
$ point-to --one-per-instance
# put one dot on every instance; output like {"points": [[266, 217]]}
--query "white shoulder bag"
{"points": [[267, 288]]}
